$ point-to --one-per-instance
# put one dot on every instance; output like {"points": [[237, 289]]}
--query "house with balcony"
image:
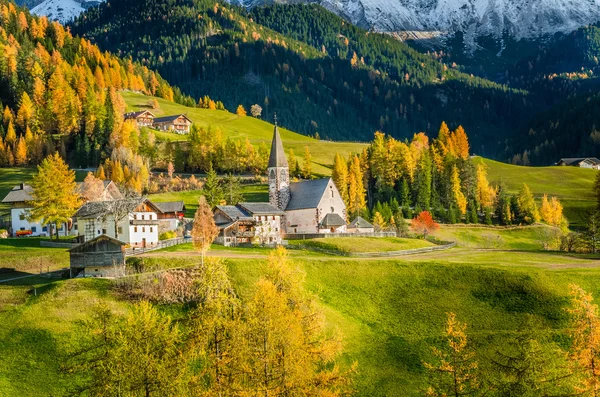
{"points": [[131, 220], [142, 118], [178, 123], [248, 223]]}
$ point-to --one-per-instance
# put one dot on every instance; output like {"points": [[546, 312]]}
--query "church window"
{"points": [[272, 174], [332, 210]]}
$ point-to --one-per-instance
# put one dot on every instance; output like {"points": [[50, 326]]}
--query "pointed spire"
{"points": [[277, 157]]}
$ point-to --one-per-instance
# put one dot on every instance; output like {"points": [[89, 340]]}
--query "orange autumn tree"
{"points": [[585, 333], [455, 371], [205, 231], [424, 224]]}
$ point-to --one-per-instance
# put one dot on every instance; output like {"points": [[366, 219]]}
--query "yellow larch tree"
{"points": [[486, 194], [240, 111], [340, 176], [21, 152], [460, 143], [459, 197], [356, 188], [26, 112]]}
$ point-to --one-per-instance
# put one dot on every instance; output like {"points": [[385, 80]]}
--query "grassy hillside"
{"points": [[572, 185], [257, 131], [389, 312]]}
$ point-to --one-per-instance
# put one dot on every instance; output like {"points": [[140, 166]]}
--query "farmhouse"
{"points": [[248, 223], [20, 198], [178, 123], [143, 118], [170, 216], [313, 206], [583, 162], [100, 257], [131, 220]]}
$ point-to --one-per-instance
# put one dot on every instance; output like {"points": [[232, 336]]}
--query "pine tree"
{"points": [[232, 189], [212, 190]]}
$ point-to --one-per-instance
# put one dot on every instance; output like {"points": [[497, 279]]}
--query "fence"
{"points": [[52, 244], [382, 254], [336, 235], [160, 245]]}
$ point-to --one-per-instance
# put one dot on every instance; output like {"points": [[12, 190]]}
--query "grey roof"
{"points": [[19, 194], [360, 223], [332, 220], [95, 209], [234, 213], [135, 115], [277, 157], [307, 194], [260, 209], [166, 119], [171, 206], [79, 186], [577, 160], [94, 240]]}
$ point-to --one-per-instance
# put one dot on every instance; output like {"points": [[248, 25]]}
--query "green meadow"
{"points": [[257, 131]]}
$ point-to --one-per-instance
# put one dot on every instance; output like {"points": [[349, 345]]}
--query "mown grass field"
{"points": [[26, 255], [389, 312], [572, 185], [362, 244], [528, 238], [257, 131]]}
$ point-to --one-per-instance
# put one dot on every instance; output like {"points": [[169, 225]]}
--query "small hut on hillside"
{"points": [[360, 225], [102, 256]]}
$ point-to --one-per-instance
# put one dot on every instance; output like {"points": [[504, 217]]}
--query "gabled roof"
{"points": [[234, 213], [19, 194], [135, 115], [96, 209], [95, 240], [307, 194], [166, 119], [332, 220], [79, 187], [260, 209], [577, 160], [360, 223], [171, 206], [277, 157]]}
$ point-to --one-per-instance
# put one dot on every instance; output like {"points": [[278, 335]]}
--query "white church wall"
{"points": [[301, 221], [332, 202]]}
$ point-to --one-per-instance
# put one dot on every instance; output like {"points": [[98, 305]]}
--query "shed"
{"points": [[360, 225], [100, 257]]}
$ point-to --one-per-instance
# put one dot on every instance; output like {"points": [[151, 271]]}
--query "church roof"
{"points": [[332, 220], [277, 157], [307, 194], [360, 223]]}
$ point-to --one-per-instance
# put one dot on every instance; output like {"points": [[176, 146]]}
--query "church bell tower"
{"points": [[279, 174]]}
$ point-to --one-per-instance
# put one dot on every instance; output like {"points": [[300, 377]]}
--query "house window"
{"points": [[143, 229], [332, 210], [135, 229], [45, 229], [76, 226], [142, 216], [120, 230], [150, 229], [134, 216], [103, 231], [33, 229], [22, 216]]}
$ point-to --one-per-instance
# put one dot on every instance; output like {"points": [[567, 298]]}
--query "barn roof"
{"points": [[234, 213], [577, 160], [171, 206], [277, 157], [174, 117], [135, 115], [260, 209], [307, 194], [19, 194], [360, 223], [95, 240], [332, 220]]}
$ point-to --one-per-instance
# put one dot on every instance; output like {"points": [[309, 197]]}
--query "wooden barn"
{"points": [[102, 256]]}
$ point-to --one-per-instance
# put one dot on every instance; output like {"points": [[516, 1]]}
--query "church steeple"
{"points": [[279, 176]]}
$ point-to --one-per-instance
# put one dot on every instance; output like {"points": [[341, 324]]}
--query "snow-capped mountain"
{"points": [[63, 10], [521, 18]]}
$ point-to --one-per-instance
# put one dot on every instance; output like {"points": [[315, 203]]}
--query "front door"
{"points": [[144, 243]]}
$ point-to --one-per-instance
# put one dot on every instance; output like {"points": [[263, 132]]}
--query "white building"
{"points": [[310, 207], [20, 198], [132, 220], [248, 223]]}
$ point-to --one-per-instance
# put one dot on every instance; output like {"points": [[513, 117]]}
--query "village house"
{"points": [[131, 220], [20, 200], [582, 162], [170, 217], [143, 118], [247, 223], [311, 207], [179, 124], [101, 256]]}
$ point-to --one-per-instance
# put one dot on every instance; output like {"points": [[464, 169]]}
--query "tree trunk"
{"points": [[51, 230]]}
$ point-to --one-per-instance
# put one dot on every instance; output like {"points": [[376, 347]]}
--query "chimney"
{"points": [[22, 186]]}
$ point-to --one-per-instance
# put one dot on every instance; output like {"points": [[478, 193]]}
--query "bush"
{"points": [[167, 235]]}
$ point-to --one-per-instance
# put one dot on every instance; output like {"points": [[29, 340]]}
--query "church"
{"points": [[310, 207]]}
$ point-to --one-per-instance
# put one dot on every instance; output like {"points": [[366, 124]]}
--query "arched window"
{"points": [[272, 174], [332, 210]]}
